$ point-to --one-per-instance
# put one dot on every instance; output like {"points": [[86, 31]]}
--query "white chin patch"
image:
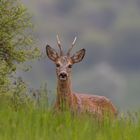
{"points": [[63, 79]]}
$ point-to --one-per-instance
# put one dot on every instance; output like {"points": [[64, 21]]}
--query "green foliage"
{"points": [[16, 96], [40, 124], [19, 96], [16, 40], [15, 34]]}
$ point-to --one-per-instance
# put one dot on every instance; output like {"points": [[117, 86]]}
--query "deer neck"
{"points": [[64, 94]]}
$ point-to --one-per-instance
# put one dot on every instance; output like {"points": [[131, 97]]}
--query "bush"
{"points": [[16, 43]]}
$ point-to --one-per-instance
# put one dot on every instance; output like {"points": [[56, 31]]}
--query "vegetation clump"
{"points": [[16, 46]]}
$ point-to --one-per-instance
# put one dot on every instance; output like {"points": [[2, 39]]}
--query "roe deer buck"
{"points": [[93, 104]]}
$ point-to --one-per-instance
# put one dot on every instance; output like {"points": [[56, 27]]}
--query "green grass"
{"points": [[40, 124]]}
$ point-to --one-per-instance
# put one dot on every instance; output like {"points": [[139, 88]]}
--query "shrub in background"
{"points": [[16, 46]]}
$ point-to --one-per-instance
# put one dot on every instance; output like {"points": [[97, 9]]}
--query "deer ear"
{"points": [[51, 53], [78, 56]]}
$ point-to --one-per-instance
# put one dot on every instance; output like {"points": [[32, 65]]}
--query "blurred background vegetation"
{"points": [[108, 29]]}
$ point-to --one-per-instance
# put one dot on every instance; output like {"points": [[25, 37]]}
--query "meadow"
{"points": [[39, 123], [108, 34]]}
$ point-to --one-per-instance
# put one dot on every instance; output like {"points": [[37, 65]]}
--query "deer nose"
{"points": [[63, 75]]}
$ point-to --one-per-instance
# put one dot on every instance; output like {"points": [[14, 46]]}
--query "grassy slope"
{"points": [[38, 124]]}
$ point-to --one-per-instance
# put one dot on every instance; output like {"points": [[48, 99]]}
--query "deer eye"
{"points": [[69, 66], [57, 65]]}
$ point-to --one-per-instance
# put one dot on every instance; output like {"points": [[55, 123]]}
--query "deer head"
{"points": [[64, 62]]}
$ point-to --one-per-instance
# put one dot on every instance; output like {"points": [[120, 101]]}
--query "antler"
{"points": [[59, 45], [73, 43]]}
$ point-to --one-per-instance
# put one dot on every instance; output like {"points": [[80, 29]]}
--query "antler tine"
{"points": [[59, 45], [73, 44]]}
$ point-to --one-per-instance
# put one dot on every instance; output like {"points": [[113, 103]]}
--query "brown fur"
{"points": [[81, 103], [92, 104]]}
